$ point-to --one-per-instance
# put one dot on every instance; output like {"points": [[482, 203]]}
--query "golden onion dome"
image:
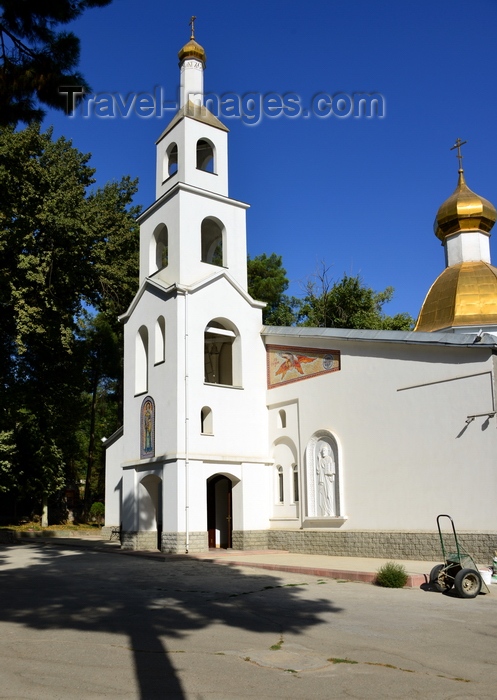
{"points": [[463, 295], [192, 50], [464, 211]]}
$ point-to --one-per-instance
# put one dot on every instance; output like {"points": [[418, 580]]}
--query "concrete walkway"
{"points": [[323, 566]]}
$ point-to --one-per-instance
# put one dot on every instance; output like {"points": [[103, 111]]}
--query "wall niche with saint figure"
{"points": [[322, 477], [147, 428]]}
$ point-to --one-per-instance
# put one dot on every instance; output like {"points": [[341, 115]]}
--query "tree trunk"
{"points": [[91, 446], [44, 512]]}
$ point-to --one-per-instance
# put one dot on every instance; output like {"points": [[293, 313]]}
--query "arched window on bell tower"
{"points": [[161, 241], [170, 161], [212, 233], [206, 156], [222, 354]]}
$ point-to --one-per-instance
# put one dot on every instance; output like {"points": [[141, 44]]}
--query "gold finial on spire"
{"points": [[458, 145], [192, 49], [192, 25]]}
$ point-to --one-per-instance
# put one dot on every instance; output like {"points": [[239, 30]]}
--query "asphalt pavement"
{"points": [[81, 622]]}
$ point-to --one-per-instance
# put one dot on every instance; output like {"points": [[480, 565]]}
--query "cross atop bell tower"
{"points": [[457, 144], [192, 25]]}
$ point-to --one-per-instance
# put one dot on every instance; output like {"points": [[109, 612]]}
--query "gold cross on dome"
{"points": [[192, 25], [458, 145]]}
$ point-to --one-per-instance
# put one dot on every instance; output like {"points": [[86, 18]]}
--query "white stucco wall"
{"points": [[399, 414], [113, 482]]}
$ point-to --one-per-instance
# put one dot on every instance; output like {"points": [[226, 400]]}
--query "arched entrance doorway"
{"points": [[150, 515], [219, 512]]}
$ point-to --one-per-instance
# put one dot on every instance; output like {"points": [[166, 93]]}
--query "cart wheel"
{"points": [[467, 583], [436, 581]]}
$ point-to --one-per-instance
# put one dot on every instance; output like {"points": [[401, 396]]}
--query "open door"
{"points": [[219, 512]]}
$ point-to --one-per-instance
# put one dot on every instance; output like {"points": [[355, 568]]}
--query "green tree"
{"points": [[38, 61], [115, 253], [7, 458], [97, 511], [348, 303], [267, 281], [63, 249]]}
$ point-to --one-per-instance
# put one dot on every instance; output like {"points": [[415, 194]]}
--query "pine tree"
{"points": [[37, 61]]}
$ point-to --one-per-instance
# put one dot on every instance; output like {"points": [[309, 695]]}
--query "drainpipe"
{"points": [[187, 419], [493, 385]]}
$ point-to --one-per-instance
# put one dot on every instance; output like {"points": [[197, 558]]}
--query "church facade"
{"points": [[346, 442]]}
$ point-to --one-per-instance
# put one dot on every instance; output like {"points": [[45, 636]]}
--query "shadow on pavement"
{"points": [[148, 601]]}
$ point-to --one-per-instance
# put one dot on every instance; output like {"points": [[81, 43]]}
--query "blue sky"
{"points": [[360, 194]]}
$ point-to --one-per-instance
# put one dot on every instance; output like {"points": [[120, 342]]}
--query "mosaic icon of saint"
{"points": [[147, 426]]}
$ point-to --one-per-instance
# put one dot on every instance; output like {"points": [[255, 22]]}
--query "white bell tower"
{"points": [[195, 419]]}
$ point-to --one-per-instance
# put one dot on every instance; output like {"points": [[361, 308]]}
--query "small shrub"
{"points": [[97, 511], [391, 575]]}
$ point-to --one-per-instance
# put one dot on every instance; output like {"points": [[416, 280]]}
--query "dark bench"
{"points": [[115, 533]]}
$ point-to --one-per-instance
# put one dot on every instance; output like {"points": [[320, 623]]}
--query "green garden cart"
{"points": [[459, 569]]}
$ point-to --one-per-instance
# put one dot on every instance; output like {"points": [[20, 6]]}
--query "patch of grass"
{"points": [[391, 575], [334, 660], [277, 647], [396, 668], [38, 528]]}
